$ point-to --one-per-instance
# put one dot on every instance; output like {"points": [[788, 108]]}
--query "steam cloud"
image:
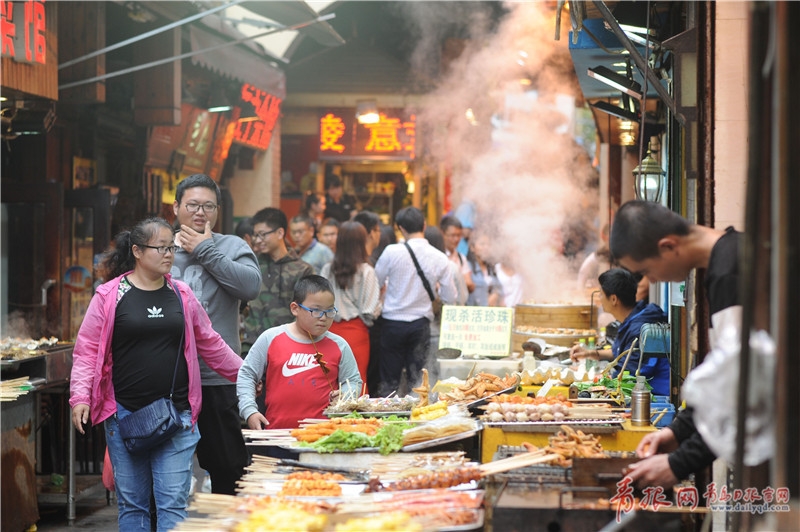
{"points": [[516, 160]]}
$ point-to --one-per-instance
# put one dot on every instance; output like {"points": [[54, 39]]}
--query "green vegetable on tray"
{"points": [[625, 385], [388, 439]]}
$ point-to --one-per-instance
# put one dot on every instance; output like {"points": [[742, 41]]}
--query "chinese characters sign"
{"points": [[477, 330], [23, 26], [341, 136], [258, 133]]}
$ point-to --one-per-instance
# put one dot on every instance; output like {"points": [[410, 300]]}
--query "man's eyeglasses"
{"points": [[208, 208], [162, 250], [319, 313], [261, 235]]}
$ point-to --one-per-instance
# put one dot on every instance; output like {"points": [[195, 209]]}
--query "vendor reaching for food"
{"points": [[618, 297]]}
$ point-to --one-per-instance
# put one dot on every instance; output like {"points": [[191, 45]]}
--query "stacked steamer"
{"points": [[561, 324]]}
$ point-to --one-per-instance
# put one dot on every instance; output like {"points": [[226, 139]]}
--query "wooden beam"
{"points": [[81, 30], [157, 90]]}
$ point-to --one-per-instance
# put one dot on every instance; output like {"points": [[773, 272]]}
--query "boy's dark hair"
{"points": [[621, 283], [197, 180], [638, 227], [244, 227], [410, 219], [368, 219], [435, 237], [310, 284], [274, 218], [449, 221]]}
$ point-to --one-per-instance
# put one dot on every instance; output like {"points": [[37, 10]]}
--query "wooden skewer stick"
{"points": [[515, 462]]}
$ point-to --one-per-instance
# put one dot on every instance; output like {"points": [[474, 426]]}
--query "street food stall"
{"points": [[32, 372], [400, 463]]}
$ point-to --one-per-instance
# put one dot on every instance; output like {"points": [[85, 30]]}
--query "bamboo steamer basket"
{"points": [[555, 316], [567, 316]]}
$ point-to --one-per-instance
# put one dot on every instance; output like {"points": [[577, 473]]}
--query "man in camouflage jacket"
{"points": [[280, 270]]}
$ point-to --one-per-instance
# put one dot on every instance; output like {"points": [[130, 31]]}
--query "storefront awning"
{"points": [[237, 63]]}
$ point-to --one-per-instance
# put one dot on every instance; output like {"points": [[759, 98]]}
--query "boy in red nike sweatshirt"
{"points": [[304, 362]]}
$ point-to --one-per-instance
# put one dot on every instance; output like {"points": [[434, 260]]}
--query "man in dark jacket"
{"points": [[618, 297], [651, 240], [280, 270]]}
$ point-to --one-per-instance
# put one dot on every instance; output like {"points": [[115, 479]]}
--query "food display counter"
{"points": [[621, 437]]}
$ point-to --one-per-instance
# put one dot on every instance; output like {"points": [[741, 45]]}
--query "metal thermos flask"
{"points": [[640, 403]]}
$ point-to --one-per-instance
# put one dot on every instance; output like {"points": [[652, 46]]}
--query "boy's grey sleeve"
{"points": [[254, 366], [350, 381]]}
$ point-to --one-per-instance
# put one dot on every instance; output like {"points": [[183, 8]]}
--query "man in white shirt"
{"points": [[407, 308], [452, 230]]}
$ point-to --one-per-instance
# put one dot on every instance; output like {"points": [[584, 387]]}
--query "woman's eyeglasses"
{"points": [[162, 250], [319, 313]]}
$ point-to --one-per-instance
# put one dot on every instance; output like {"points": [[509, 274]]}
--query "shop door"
{"points": [[32, 237], [49, 242], [88, 215]]}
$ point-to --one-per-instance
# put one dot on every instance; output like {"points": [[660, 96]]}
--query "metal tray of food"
{"points": [[473, 405], [399, 413], [440, 441], [599, 426]]}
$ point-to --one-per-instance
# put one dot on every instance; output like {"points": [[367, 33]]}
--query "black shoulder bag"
{"points": [[436, 303], [152, 425]]}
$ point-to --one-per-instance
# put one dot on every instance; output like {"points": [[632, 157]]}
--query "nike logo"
{"points": [[154, 312], [300, 362]]}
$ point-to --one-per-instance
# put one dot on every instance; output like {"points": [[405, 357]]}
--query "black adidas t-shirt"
{"points": [[147, 335]]}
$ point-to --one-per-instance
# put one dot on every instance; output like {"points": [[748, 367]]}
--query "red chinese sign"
{"points": [[341, 137], [22, 31], [258, 133]]}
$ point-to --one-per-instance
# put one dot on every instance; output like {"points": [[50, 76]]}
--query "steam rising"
{"points": [[515, 159]]}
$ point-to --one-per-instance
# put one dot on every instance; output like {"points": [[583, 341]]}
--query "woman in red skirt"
{"points": [[355, 286]]}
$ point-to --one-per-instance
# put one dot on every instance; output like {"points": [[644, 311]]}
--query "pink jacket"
{"points": [[90, 382]]}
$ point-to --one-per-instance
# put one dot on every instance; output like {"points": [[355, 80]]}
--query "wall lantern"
{"points": [[649, 179], [367, 112]]}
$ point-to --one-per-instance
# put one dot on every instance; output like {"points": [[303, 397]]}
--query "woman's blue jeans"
{"points": [[165, 471]]}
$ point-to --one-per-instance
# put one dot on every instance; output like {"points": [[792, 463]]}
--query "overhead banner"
{"points": [[342, 137]]}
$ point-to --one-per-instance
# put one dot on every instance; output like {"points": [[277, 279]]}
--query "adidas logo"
{"points": [[154, 313]]}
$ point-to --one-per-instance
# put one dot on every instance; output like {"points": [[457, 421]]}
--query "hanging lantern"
{"points": [[649, 179]]}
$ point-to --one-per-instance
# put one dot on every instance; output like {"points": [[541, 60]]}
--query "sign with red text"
{"points": [[484, 331], [257, 133], [22, 31], [342, 137]]}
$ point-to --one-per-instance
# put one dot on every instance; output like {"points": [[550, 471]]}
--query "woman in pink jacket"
{"points": [[125, 358]]}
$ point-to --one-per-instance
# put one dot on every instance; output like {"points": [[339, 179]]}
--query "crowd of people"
{"points": [[267, 333]]}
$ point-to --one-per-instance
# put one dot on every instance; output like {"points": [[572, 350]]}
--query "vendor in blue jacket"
{"points": [[618, 297]]}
